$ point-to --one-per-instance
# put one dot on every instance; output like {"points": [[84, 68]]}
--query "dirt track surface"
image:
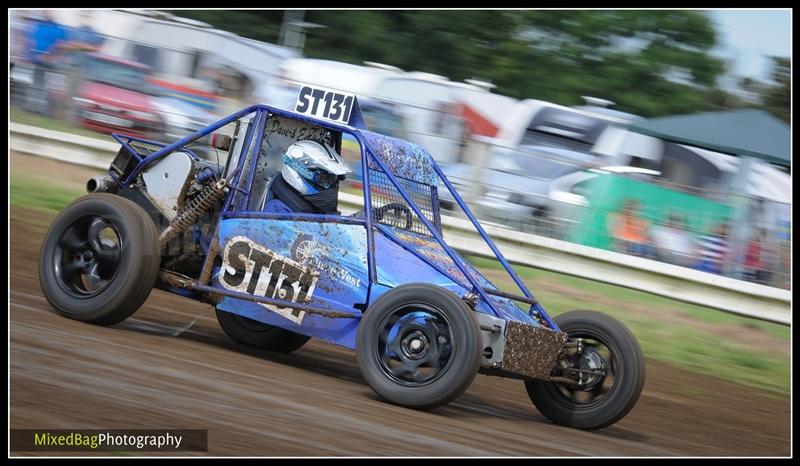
{"points": [[146, 374]]}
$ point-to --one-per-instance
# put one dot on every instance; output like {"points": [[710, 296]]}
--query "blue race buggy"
{"points": [[383, 281]]}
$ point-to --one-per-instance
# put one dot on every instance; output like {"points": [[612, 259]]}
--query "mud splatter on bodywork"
{"points": [[531, 351], [402, 158]]}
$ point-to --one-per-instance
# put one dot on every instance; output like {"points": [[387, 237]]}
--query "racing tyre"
{"points": [[602, 399], [254, 333], [419, 346], [99, 259]]}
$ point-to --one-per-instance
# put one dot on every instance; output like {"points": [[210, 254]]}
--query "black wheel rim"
{"points": [[87, 256], [415, 345], [597, 355]]}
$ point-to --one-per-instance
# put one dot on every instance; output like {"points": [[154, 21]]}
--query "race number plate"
{"points": [[248, 267], [325, 103]]}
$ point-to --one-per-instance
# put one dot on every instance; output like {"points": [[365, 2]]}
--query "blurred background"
{"points": [[658, 134]]}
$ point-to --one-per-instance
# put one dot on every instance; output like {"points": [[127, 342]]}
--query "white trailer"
{"points": [[180, 48]]}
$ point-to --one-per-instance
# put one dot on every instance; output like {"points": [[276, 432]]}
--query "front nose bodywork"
{"points": [[531, 351]]}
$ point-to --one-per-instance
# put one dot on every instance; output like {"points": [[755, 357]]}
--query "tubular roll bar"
{"points": [[262, 113]]}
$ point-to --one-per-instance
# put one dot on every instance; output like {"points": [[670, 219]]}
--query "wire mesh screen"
{"points": [[413, 169], [389, 207]]}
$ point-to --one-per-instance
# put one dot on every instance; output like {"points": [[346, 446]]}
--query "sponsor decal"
{"points": [[251, 268], [308, 252]]}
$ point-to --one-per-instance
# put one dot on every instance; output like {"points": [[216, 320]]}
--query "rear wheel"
{"points": [[612, 374], [419, 346], [99, 259], [254, 333]]}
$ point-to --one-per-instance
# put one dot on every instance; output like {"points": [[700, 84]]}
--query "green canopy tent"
{"points": [[745, 133], [749, 133]]}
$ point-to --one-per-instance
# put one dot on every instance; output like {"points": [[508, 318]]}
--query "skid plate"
{"points": [[531, 351]]}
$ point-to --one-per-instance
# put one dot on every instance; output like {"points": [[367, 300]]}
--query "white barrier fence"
{"points": [[679, 283]]}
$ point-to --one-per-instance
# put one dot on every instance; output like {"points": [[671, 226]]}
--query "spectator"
{"points": [[630, 230], [47, 38], [754, 263], [713, 249], [82, 40], [672, 242], [783, 254], [84, 37]]}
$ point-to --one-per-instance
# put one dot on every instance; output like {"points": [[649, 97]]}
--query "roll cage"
{"points": [[395, 164]]}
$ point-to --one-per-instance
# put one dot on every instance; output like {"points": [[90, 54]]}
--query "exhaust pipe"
{"points": [[101, 184]]}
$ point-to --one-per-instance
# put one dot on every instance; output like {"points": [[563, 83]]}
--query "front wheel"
{"points": [[99, 259], [606, 367], [419, 346]]}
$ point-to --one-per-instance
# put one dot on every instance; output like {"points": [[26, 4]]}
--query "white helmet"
{"points": [[310, 167]]}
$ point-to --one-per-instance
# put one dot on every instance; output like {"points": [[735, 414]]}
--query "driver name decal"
{"points": [[248, 267]]}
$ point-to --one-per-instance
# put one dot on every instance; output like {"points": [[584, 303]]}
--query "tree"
{"points": [[775, 96], [649, 62], [263, 25]]}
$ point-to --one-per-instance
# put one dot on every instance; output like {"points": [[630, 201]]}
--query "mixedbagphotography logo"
{"points": [[108, 440]]}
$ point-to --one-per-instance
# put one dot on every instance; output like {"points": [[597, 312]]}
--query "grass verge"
{"points": [[28, 192], [27, 118]]}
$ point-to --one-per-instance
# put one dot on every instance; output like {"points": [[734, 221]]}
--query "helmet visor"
{"points": [[324, 179]]}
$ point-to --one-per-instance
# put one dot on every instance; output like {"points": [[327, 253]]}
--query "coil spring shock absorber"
{"points": [[189, 214]]}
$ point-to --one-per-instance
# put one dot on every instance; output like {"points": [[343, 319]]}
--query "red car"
{"points": [[116, 97]]}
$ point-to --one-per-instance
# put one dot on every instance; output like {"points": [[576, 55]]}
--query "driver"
{"points": [[309, 180]]}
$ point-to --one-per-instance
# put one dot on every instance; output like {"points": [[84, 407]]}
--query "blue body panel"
{"points": [[337, 253]]}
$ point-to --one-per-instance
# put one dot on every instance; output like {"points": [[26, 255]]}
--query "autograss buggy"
{"points": [[422, 320]]}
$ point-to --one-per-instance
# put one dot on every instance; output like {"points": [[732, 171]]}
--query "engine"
{"points": [[182, 194]]}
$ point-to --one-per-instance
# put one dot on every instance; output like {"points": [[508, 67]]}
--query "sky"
{"points": [[748, 37]]}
